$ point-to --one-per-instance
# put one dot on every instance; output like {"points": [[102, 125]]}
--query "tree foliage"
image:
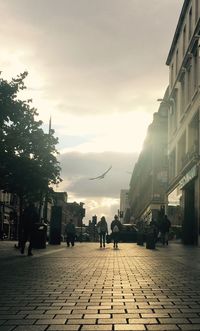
{"points": [[28, 163]]}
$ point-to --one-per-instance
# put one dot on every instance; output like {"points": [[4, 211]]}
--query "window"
{"points": [[182, 94], [181, 152], [176, 70], [172, 164], [193, 135], [196, 10], [190, 24], [174, 110], [184, 36], [195, 70], [189, 87], [172, 75]]}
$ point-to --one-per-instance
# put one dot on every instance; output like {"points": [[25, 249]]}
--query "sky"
{"points": [[97, 67]]}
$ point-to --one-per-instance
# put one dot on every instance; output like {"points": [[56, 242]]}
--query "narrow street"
{"points": [[85, 288]]}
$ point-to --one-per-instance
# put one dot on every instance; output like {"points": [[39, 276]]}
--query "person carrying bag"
{"points": [[116, 228]]}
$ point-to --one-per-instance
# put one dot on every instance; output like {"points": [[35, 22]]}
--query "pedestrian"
{"points": [[102, 229], [70, 232], [29, 219], [116, 228], [164, 229], [155, 229]]}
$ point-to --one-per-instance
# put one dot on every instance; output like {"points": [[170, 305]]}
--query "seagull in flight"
{"points": [[101, 176]]}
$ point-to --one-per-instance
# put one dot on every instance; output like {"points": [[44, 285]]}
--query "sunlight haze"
{"points": [[97, 68]]}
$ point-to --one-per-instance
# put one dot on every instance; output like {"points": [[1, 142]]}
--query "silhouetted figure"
{"points": [[29, 219], [1, 234], [164, 229], [151, 235], [141, 232], [70, 232], [155, 228], [116, 228], [102, 229]]}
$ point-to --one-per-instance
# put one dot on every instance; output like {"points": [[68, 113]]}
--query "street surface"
{"points": [[86, 288]]}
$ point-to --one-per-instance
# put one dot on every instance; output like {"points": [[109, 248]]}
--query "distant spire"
{"points": [[49, 124]]}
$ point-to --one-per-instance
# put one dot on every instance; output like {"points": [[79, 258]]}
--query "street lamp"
{"points": [[82, 214]]}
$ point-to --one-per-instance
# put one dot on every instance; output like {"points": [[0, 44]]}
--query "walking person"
{"points": [[102, 229], [70, 232], [116, 228], [164, 229], [30, 217]]}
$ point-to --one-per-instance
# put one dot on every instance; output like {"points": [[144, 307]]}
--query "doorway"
{"points": [[189, 224]]}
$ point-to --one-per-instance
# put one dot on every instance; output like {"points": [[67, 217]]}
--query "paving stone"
{"points": [[31, 328], [63, 328], [194, 320], [96, 328], [81, 321], [163, 327], [11, 316], [68, 316], [142, 321], [173, 320], [96, 316], [155, 315], [40, 316], [20, 322], [55, 312], [6, 328], [129, 327], [112, 320], [51, 321], [189, 327]]}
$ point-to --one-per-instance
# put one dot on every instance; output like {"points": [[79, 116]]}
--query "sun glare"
{"points": [[114, 132]]}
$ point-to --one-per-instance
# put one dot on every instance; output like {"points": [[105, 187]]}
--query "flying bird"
{"points": [[101, 176]]}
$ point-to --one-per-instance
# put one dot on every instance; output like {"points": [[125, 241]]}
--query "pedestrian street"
{"points": [[85, 288]]}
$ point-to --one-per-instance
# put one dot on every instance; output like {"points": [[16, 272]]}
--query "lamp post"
{"points": [[82, 214]]}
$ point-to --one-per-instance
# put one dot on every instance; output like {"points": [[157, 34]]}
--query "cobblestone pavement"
{"points": [[86, 289]]}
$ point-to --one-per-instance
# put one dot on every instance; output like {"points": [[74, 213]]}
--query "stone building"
{"points": [[124, 206], [61, 213], [183, 123], [149, 177]]}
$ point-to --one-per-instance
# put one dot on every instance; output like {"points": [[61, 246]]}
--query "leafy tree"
{"points": [[28, 163]]}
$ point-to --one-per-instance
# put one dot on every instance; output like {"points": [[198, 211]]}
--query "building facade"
{"points": [[149, 177], [9, 212], [124, 211], [183, 191]]}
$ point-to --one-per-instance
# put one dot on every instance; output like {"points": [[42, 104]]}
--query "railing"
{"points": [[189, 157]]}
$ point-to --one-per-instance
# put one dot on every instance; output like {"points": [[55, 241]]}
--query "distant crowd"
{"points": [[151, 233]]}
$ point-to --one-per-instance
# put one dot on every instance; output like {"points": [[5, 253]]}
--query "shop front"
{"points": [[189, 185]]}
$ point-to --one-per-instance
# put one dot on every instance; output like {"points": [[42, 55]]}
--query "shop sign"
{"points": [[188, 177]]}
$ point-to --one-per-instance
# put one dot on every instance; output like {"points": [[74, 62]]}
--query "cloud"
{"points": [[99, 196], [92, 56]]}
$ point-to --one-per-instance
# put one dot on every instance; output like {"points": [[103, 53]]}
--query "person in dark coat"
{"points": [[70, 232], [102, 229], [29, 218], [116, 228], [164, 229]]}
